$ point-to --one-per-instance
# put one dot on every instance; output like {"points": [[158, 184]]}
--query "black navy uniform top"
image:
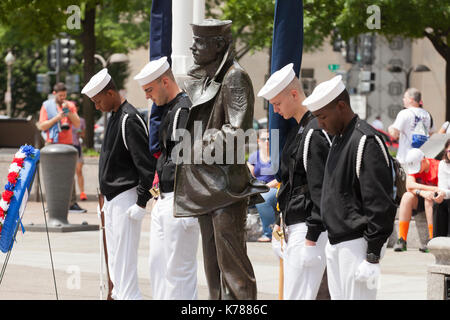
{"points": [[355, 207], [121, 169], [300, 192], [165, 164]]}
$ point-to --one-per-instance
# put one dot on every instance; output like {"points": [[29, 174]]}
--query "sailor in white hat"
{"points": [[126, 172], [173, 241], [357, 201], [301, 173]]}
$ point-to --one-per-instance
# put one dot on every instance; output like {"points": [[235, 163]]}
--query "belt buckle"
{"points": [[278, 235], [155, 192]]}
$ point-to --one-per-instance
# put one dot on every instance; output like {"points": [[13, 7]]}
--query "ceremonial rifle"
{"points": [[101, 201]]}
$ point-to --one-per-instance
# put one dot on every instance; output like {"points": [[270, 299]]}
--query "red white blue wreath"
{"points": [[13, 175]]}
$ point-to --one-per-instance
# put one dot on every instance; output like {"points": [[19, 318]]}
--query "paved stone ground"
{"points": [[76, 257]]}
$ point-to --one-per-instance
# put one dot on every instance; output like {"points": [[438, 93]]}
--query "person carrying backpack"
{"points": [[412, 126]]}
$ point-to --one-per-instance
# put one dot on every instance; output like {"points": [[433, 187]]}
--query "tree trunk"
{"points": [[88, 41]]}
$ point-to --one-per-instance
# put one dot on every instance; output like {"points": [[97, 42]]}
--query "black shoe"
{"points": [[424, 249], [400, 245], [75, 208]]}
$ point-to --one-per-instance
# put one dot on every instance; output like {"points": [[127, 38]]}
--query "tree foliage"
{"points": [[415, 19], [253, 20], [27, 27]]}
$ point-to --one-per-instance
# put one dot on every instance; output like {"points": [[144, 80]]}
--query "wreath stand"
{"points": [[16, 210]]}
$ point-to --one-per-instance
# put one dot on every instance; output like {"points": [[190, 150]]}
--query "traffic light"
{"points": [[52, 55], [42, 83], [67, 52], [337, 41], [366, 84], [60, 54], [73, 83], [367, 47], [351, 51]]}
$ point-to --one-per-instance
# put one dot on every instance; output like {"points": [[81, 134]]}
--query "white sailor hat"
{"points": [[324, 93], [413, 160], [277, 82], [97, 83], [152, 71]]}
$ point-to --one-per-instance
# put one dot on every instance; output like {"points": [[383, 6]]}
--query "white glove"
{"points": [[136, 212], [310, 256], [367, 271]]}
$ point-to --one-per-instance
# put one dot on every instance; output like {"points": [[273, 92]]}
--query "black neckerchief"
{"points": [[307, 117]]}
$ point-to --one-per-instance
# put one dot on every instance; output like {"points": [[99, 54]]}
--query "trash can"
{"points": [[58, 162]]}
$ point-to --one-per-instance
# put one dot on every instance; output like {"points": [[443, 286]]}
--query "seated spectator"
{"points": [[422, 193], [259, 165], [441, 220]]}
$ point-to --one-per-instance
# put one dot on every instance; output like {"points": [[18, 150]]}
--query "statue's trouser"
{"points": [[173, 253], [122, 237], [228, 270]]}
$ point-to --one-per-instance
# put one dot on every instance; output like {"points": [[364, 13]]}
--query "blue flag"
{"points": [[287, 47], [160, 46]]}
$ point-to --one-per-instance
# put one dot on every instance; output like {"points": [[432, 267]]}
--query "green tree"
{"points": [[413, 19], [252, 22], [28, 62], [105, 27]]}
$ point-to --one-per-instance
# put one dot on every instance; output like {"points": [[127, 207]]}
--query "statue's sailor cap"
{"points": [[152, 71], [212, 28], [324, 93], [277, 82], [97, 83]]}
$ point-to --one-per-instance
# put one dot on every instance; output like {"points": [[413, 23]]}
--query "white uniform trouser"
{"points": [[301, 283], [122, 240], [173, 253], [343, 260]]}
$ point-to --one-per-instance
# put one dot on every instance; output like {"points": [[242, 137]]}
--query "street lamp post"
{"points": [[9, 60]]}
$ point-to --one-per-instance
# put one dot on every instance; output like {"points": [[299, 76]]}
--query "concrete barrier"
{"points": [[438, 276]]}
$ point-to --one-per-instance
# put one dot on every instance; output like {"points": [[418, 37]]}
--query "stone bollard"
{"points": [[58, 163], [58, 169], [438, 278]]}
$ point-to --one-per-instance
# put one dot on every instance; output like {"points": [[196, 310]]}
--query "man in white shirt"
{"points": [[406, 121]]}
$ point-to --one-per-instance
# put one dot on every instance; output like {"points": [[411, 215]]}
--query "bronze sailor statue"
{"points": [[217, 192]]}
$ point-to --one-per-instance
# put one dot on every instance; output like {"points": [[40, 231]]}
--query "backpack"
{"points": [[398, 173], [419, 132]]}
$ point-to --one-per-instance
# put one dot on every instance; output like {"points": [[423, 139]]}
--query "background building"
{"points": [[386, 98]]}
